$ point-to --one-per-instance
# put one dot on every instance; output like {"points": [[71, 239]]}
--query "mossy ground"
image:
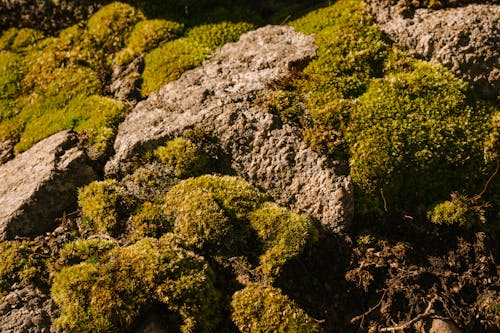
{"points": [[212, 251]]}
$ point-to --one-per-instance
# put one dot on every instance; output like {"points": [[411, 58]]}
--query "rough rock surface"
{"points": [[465, 39], [45, 15], [26, 310], [125, 80], [219, 97], [39, 184], [6, 150]]}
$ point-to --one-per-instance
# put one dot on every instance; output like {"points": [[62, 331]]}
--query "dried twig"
{"points": [[489, 180], [428, 312], [370, 310], [383, 198]]}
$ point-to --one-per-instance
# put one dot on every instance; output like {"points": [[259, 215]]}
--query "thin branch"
{"points": [[489, 180], [425, 314], [370, 310], [383, 198]]}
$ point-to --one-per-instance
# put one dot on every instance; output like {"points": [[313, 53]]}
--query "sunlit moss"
{"points": [[105, 205], [215, 35], [183, 156], [146, 36], [261, 308], [284, 235], [111, 294]]}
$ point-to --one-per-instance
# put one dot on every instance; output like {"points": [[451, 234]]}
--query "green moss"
{"points": [[186, 159], [94, 117], [260, 308], [146, 36], [351, 52], [210, 212], [150, 221], [110, 295], [10, 75], [18, 264], [91, 250], [417, 136], [284, 236], [112, 24], [16, 39], [104, 205], [167, 62], [215, 35], [459, 210]]}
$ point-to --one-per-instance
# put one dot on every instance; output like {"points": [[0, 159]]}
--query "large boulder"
{"points": [[464, 39], [220, 97], [39, 184]]}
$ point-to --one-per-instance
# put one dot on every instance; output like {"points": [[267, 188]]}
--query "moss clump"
{"points": [[417, 136], [284, 236], [94, 117], [10, 75], [15, 39], [167, 62], [210, 212], [260, 308], [459, 210], [104, 205], [215, 35], [183, 156], [146, 36], [110, 295], [18, 264], [351, 52], [150, 221], [111, 25], [91, 250]]}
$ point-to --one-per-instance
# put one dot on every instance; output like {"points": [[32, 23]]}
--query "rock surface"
{"points": [[26, 310], [39, 184], [219, 97], [464, 39], [45, 15]]}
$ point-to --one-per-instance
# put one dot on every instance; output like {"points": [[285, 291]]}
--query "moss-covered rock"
{"points": [[111, 295], [91, 250], [460, 210], [105, 204], [260, 308], [15, 39], [284, 236]]}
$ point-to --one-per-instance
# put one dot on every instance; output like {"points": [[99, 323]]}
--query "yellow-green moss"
{"points": [[210, 212], [215, 35], [91, 250], [167, 62], [351, 52], [283, 234], [150, 221], [112, 24], [459, 210], [146, 36], [186, 159], [260, 308], [111, 294], [104, 205], [15, 39], [18, 264], [418, 136], [10, 75]]}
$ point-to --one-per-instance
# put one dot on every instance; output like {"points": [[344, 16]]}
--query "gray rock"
{"points": [[39, 184], [125, 81], [219, 97], [6, 150], [26, 310], [465, 39]]}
